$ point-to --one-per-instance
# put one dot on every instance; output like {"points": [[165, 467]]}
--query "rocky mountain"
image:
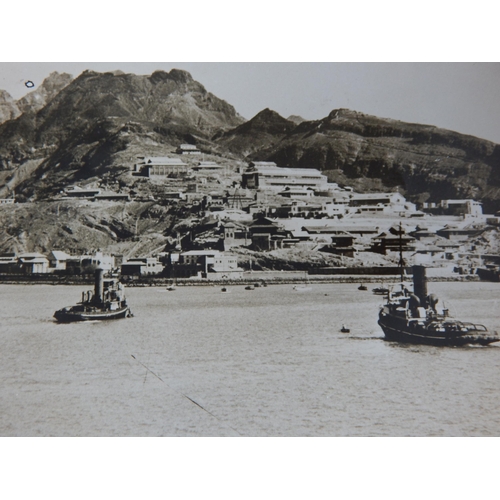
{"points": [[425, 162], [50, 87], [100, 122], [93, 128], [296, 119], [264, 130], [8, 107]]}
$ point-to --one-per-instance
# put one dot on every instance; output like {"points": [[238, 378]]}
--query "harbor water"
{"points": [[265, 362]]}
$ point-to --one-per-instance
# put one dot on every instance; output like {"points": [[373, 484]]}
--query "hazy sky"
{"points": [[458, 96]]}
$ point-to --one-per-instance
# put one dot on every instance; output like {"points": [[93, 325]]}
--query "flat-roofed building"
{"points": [[78, 192], [188, 149], [381, 202], [266, 175], [208, 166], [141, 266], [154, 166], [33, 263], [58, 260], [462, 207]]}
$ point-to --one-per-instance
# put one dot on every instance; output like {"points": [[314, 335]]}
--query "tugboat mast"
{"points": [[401, 260]]}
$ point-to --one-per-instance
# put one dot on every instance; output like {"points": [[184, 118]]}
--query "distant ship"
{"points": [[106, 302], [413, 318]]}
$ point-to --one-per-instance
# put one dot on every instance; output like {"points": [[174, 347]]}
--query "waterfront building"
{"points": [[8, 263], [33, 263], [209, 264], [88, 263], [141, 266], [58, 260]]}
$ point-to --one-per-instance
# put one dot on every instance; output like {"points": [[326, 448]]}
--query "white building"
{"points": [[188, 149], [154, 166], [88, 262], [385, 203], [266, 175]]}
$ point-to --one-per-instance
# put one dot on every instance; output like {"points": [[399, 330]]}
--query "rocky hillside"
{"points": [[8, 107], [426, 163], [100, 122], [92, 128], [263, 131]]}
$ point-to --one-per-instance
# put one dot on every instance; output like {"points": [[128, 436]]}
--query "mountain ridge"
{"points": [[97, 123]]}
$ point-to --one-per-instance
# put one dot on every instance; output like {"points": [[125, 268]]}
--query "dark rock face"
{"points": [[82, 127], [263, 131], [428, 163]]}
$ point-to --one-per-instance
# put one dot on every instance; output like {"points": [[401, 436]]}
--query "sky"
{"points": [[464, 97]]}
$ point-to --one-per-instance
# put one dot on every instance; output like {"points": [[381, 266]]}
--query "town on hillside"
{"points": [[237, 219]]}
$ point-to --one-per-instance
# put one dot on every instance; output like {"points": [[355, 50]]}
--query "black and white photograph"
{"points": [[251, 248], [196, 272]]}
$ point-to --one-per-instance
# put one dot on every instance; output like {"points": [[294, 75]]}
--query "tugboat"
{"points": [[363, 288], [413, 318], [106, 302]]}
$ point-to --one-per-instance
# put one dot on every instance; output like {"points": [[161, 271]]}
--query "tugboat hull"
{"points": [[417, 334], [70, 315]]}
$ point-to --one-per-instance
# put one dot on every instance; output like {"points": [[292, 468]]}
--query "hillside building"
{"points": [[160, 166], [464, 208], [384, 203], [188, 149], [266, 175], [78, 192]]}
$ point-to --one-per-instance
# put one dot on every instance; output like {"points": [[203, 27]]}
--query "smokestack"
{"points": [[99, 285], [420, 283]]}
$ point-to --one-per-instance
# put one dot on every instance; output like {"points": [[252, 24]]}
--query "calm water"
{"points": [[268, 362]]}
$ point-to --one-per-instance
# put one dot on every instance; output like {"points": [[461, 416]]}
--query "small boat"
{"points": [[362, 287], [106, 302], [302, 288], [380, 290], [344, 329], [171, 288], [413, 318], [224, 290], [250, 287]]}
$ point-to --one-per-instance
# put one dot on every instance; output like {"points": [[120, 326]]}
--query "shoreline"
{"points": [[164, 282]]}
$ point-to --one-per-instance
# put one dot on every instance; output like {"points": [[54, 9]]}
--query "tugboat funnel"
{"points": [[420, 283], [99, 285]]}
